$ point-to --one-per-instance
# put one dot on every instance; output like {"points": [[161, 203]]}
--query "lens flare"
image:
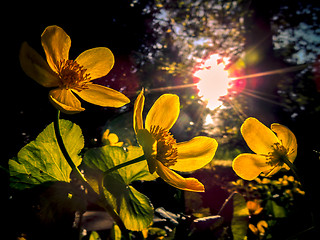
{"points": [[213, 80]]}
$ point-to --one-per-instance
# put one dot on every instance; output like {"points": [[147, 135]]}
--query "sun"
{"points": [[214, 80]]}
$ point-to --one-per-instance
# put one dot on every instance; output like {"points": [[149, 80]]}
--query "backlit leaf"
{"points": [[42, 160], [133, 207], [239, 222], [274, 209], [94, 236]]}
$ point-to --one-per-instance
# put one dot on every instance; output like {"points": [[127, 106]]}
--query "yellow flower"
{"points": [[160, 148], [111, 139], [70, 76], [254, 207], [260, 229], [272, 147]]}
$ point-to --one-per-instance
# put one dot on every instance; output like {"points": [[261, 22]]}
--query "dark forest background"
{"points": [[156, 44]]}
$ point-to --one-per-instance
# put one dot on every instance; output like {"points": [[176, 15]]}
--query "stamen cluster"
{"points": [[167, 153], [275, 158], [72, 75]]}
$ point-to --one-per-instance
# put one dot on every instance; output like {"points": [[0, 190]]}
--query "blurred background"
{"points": [[226, 59]]}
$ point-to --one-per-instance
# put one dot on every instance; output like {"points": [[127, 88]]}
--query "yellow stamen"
{"points": [[72, 75], [275, 158], [167, 153]]}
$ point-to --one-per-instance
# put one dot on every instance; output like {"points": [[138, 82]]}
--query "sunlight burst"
{"points": [[214, 82]]}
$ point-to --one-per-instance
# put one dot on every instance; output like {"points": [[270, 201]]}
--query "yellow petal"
{"points": [[253, 206], [177, 181], [104, 138], [253, 229], [118, 144], [149, 146], [274, 170], [137, 112], [258, 137], [113, 138], [36, 67], [164, 112], [98, 61], [195, 154], [287, 139], [261, 226], [56, 44], [249, 166], [65, 101], [102, 96]]}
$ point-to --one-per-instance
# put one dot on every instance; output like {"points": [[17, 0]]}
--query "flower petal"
{"points": [[274, 170], [36, 67], [105, 135], [65, 101], [262, 225], [259, 138], [164, 112], [177, 181], [137, 112], [287, 139], [111, 139], [102, 96], [149, 146], [195, 154], [253, 229], [56, 44], [249, 166], [98, 61]]}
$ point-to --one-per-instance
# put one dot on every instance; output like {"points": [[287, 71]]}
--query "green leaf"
{"points": [[94, 236], [239, 222], [42, 161], [133, 207], [275, 210], [115, 232], [107, 157]]}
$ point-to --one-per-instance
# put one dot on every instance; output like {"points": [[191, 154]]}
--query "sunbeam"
{"points": [[242, 116], [169, 88], [266, 99], [211, 87], [272, 72]]}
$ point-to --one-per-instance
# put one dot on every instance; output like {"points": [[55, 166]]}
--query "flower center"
{"points": [[72, 75], [277, 156], [167, 153]]}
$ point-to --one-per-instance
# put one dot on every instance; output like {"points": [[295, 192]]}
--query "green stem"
{"points": [[64, 150], [139, 159], [103, 201], [293, 169], [304, 186]]}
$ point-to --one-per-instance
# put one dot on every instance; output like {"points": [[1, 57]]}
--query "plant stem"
{"points": [[308, 198], [64, 150], [103, 202], [138, 159], [226, 202], [293, 169]]}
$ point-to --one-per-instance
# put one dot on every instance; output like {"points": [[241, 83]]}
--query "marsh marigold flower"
{"points": [[70, 76], [254, 207], [110, 139], [273, 147], [260, 229], [162, 152]]}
